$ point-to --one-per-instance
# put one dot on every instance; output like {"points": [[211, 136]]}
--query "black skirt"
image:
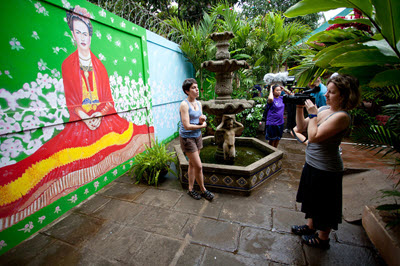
{"points": [[320, 194]]}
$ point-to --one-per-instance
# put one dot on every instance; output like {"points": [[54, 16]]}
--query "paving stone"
{"points": [[124, 191], [191, 255], [292, 175], [161, 221], [88, 257], [278, 247], [92, 204], [216, 257], [232, 198], [117, 242], [119, 211], [294, 163], [75, 228], [124, 179], [202, 207], [213, 233], [26, 251], [253, 214], [170, 182], [58, 253], [341, 254], [283, 219], [352, 234], [156, 250], [356, 196], [159, 198], [278, 194]]}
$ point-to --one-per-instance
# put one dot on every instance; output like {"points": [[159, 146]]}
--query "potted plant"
{"points": [[153, 164]]}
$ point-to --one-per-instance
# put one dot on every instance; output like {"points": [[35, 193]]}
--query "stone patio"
{"points": [[128, 224]]}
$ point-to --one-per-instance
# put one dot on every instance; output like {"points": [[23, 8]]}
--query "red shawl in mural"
{"points": [[77, 155]]}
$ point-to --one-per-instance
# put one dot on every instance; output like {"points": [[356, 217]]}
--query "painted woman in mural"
{"points": [[95, 140]]}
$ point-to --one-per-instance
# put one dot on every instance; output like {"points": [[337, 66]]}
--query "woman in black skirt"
{"points": [[320, 188]]}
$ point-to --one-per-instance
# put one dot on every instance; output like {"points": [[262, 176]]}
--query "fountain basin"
{"points": [[222, 106], [224, 66], [232, 178]]}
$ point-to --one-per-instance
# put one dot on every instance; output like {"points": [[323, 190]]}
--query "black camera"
{"points": [[300, 98], [297, 98]]}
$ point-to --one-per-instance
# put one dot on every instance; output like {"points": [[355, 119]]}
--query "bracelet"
{"points": [[311, 116]]}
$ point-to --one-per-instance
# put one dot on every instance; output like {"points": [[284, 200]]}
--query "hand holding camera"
{"points": [[311, 107]]}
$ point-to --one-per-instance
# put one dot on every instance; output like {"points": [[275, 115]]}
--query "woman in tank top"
{"points": [[192, 121], [320, 188]]}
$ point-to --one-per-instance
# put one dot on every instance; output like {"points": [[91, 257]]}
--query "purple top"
{"points": [[275, 112]]}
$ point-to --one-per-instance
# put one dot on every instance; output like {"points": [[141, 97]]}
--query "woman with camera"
{"points": [[320, 188]]}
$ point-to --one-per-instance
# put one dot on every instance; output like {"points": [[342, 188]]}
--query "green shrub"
{"points": [[153, 163]]}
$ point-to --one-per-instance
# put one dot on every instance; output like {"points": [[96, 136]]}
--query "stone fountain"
{"points": [[224, 174]]}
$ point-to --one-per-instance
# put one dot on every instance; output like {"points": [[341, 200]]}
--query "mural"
{"points": [[166, 86], [70, 122]]}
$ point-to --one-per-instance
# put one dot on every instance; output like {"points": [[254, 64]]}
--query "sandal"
{"points": [[207, 195], [315, 241], [194, 194], [301, 230]]}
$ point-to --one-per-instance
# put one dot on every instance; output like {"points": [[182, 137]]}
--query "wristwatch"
{"points": [[311, 116]]}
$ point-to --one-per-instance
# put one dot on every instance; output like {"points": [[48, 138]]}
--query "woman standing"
{"points": [[192, 121], [320, 188], [275, 108]]}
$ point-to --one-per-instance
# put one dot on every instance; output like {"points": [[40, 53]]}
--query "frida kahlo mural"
{"points": [[95, 140]]}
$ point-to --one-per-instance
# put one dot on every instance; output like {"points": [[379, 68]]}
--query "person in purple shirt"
{"points": [[274, 123]]}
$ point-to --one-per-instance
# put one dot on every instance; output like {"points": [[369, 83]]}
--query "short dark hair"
{"points": [[349, 89], [187, 84]]}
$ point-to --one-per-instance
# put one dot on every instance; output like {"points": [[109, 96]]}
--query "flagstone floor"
{"points": [[128, 224]]}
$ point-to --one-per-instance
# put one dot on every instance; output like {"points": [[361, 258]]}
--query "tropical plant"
{"points": [[251, 118], [194, 42], [254, 8], [265, 42], [152, 164], [275, 40], [373, 59]]}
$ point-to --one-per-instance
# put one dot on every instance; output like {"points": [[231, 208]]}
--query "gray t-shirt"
{"points": [[325, 155]]}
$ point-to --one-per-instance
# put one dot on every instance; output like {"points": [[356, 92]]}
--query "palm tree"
{"points": [[194, 41], [275, 42]]}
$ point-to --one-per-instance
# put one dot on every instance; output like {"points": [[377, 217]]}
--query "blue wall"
{"points": [[168, 69]]}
